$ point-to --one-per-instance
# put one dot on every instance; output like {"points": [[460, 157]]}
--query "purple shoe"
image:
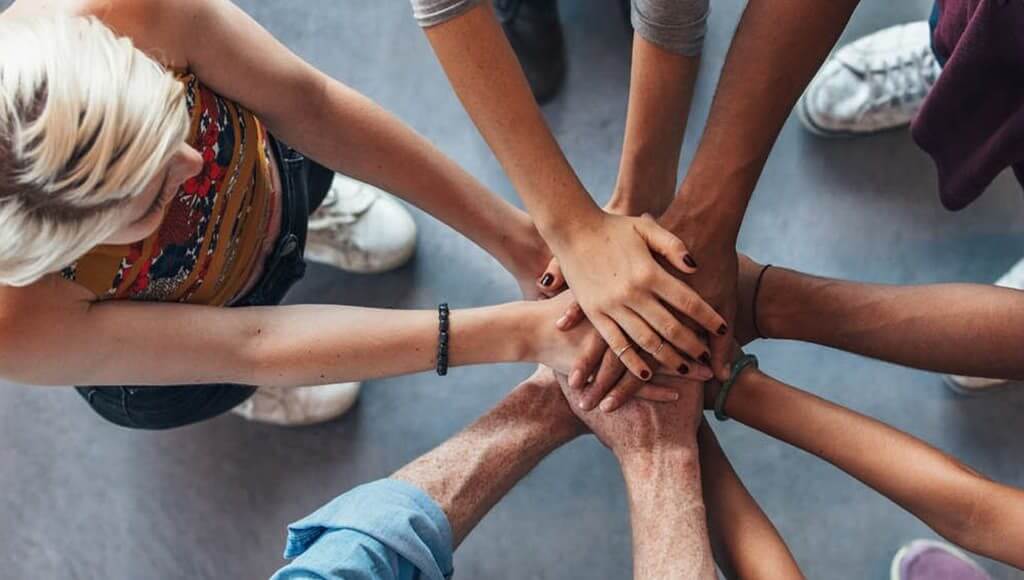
{"points": [[931, 560]]}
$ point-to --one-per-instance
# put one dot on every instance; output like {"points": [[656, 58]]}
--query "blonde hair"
{"points": [[86, 121]]}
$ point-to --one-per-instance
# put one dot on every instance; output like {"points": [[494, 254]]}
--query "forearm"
{"points": [[958, 503], [353, 135], [161, 344], [470, 473], [968, 329], [660, 92], [777, 48], [483, 70], [670, 537], [746, 543]]}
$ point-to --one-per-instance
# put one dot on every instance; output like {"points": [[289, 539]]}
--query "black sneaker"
{"points": [[535, 33]]}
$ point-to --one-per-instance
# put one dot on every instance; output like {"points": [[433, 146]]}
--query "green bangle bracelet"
{"points": [[723, 393]]}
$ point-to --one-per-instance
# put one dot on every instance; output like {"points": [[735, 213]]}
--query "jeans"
{"points": [[304, 184]]}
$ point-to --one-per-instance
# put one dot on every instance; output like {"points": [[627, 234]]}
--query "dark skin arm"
{"points": [[960, 504]]}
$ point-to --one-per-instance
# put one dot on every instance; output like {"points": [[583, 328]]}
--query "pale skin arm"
{"points": [[51, 339], [667, 514], [656, 445], [468, 474], [960, 504], [745, 542], [327, 120], [606, 259]]}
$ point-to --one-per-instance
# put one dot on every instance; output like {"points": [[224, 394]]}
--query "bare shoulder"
{"points": [[160, 28]]}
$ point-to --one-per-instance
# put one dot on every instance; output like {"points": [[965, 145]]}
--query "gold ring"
{"points": [[660, 346], [623, 351]]}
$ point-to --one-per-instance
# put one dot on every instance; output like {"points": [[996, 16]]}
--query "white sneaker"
{"points": [[875, 83], [297, 406], [1014, 278], [361, 229]]}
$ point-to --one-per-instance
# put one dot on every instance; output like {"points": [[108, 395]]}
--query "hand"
{"points": [[644, 427], [552, 282], [548, 405], [560, 349], [716, 283], [626, 294]]}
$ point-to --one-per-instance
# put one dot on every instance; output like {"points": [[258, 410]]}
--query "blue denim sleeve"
{"points": [[385, 530]]}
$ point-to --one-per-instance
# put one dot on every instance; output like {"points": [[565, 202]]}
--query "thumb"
{"points": [[551, 282]]}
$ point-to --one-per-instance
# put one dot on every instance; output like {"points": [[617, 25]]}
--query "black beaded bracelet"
{"points": [[442, 339]]}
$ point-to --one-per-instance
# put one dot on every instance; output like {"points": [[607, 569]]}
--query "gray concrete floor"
{"points": [[83, 499]]}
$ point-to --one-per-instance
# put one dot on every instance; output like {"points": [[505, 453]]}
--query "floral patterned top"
{"points": [[212, 237]]}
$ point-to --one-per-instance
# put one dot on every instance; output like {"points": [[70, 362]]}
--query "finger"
{"points": [[682, 339], [611, 371], [573, 315], [648, 340], [722, 355], [684, 299], [620, 344], [591, 356], [666, 243], [627, 386], [551, 281]]}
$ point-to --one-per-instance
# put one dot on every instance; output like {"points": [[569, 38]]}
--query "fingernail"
{"points": [[688, 260], [683, 369], [673, 397], [607, 405], [547, 280], [704, 373], [722, 330], [583, 405], [561, 321], [645, 374], [705, 358]]}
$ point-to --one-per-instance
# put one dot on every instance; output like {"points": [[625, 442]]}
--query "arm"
{"points": [[593, 247], [470, 473], [667, 514], [409, 526], [746, 544], [778, 46], [662, 79], [332, 123], [125, 342], [961, 505], [656, 445], [968, 329]]}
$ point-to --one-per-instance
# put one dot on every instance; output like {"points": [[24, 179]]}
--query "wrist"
{"points": [[658, 462], [561, 233], [630, 203]]}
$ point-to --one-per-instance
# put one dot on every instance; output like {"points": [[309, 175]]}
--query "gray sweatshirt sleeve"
{"points": [[675, 25], [431, 12]]}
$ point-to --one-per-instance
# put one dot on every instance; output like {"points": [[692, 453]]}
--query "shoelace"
{"points": [[906, 79]]}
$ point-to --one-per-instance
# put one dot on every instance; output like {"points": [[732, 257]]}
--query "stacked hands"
{"points": [[634, 320]]}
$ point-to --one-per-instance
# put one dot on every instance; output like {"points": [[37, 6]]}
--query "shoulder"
{"points": [[160, 28]]}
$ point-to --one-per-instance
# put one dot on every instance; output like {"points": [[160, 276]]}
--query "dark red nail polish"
{"points": [[683, 369], [688, 260], [705, 358], [722, 330], [645, 374], [547, 280]]}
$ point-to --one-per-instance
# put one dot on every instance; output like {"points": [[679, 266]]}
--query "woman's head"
{"points": [[92, 143]]}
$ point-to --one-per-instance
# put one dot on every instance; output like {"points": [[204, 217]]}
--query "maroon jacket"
{"points": [[972, 123]]}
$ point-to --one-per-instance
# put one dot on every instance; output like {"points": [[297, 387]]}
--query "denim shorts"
{"points": [[304, 184]]}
